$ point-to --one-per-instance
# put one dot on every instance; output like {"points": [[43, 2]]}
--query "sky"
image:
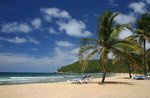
{"points": [[43, 35]]}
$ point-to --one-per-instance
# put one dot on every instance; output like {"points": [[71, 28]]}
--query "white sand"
{"points": [[116, 87]]}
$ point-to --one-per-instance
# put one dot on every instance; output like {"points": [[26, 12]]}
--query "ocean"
{"points": [[25, 78]]}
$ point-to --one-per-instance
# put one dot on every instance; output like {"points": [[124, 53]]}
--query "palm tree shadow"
{"points": [[115, 82]]}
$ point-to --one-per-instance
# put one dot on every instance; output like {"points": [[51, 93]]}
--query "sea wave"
{"points": [[13, 80], [35, 78]]}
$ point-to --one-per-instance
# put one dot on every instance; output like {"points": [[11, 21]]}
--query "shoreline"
{"points": [[48, 78], [118, 86]]}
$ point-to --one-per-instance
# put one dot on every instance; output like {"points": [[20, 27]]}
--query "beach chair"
{"points": [[84, 79], [140, 77]]}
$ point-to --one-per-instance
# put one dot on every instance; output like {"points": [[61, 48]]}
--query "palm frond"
{"points": [[103, 26], [99, 34], [88, 41], [86, 48], [90, 55], [111, 19], [127, 46], [115, 31], [132, 38], [127, 55], [84, 61]]}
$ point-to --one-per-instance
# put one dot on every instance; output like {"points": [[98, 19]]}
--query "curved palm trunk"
{"points": [[145, 71], [104, 74], [129, 69], [103, 77]]}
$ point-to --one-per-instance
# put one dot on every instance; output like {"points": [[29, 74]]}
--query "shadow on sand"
{"points": [[115, 82]]}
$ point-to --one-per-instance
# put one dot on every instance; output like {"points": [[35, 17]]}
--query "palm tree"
{"points": [[129, 62], [106, 41], [142, 34], [148, 59], [122, 60]]}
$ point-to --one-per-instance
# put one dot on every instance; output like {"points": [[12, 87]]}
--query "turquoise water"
{"points": [[24, 78]]}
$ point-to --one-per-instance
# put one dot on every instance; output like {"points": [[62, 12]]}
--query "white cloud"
{"points": [[10, 58], [147, 45], [71, 27], [51, 30], [60, 57], [50, 13], [16, 40], [15, 27], [64, 22], [32, 40], [63, 57], [112, 2], [64, 44], [21, 62], [138, 7], [75, 51], [36, 23], [148, 1], [74, 28], [124, 19], [125, 33]]}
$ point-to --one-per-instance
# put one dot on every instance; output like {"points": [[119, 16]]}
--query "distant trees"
{"points": [[92, 67]]}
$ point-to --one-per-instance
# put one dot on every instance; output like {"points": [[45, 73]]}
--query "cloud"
{"points": [[112, 2], [75, 51], [50, 13], [52, 31], [125, 19], [15, 27], [63, 57], [64, 44], [10, 58], [147, 45], [148, 1], [16, 40], [36, 23], [25, 63], [51, 63], [125, 33], [74, 28], [138, 7], [65, 22], [32, 40]]}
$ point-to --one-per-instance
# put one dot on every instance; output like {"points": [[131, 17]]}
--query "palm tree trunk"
{"points": [[145, 71], [129, 69], [103, 77]]}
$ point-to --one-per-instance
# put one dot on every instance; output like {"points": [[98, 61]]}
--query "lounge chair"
{"points": [[140, 77], [84, 79]]}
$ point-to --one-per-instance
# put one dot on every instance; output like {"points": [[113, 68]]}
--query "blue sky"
{"points": [[42, 35]]}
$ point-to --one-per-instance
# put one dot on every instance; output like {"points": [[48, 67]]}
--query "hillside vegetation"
{"points": [[92, 67]]}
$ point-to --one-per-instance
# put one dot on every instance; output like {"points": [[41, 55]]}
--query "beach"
{"points": [[118, 86]]}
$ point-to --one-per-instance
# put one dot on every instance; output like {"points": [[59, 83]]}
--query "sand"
{"points": [[118, 86]]}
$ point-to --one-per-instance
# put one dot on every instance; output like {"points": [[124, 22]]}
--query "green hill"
{"points": [[92, 67]]}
